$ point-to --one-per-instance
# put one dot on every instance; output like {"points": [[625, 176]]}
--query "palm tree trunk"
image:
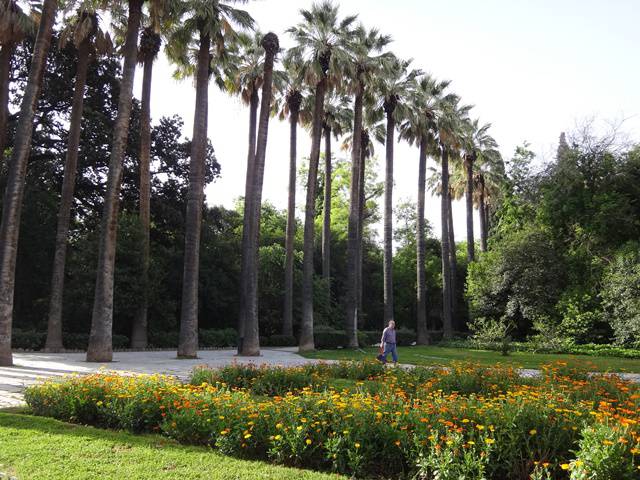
{"points": [[14, 191], [351, 318], [326, 220], [6, 53], [54, 326], [469, 199], [453, 261], [361, 202], [447, 325], [139, 329], [387, 265], [421, 324], [100, 347], [483, 217], [246, 224], [306, 342], [188, 340], [251, 343], [287, 324]]}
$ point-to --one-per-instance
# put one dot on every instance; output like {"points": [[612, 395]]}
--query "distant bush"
{"points": [[28, 339], [278, 341], [328, 337]]}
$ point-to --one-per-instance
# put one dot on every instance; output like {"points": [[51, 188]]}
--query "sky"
{"points": [[530, 68]]}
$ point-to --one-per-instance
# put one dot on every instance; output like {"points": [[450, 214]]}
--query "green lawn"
{"points": [[443, 356], [40, 448]]}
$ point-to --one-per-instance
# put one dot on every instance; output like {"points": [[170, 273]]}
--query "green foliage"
{"points": [[621, 284], [519, 281]]}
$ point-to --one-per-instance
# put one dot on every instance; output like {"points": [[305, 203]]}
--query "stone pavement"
{"points": [[33, 367]]}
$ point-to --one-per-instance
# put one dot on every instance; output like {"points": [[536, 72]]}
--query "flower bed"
{"points": [[465, 422]]}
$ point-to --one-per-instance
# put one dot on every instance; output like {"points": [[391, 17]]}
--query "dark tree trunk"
{"points": [[54, 326], [469, 159], [139, 329], [294, 109], [361, 205], [12, 203], [483, 217], [447, 325], [387, 266], [188, 341], [246, 224], [6, 53], [326, 220], [251, 342], [453, 262], [421, 324], [100, 347], [306, 342], [352, 314]]}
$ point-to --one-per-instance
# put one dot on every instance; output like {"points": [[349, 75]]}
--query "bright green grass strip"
{"points": [[37, 448], [443, 356]]}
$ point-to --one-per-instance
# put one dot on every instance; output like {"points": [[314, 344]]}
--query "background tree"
{"points": [[12, 201], [89, 40], [319, 42], [100, 347], [203, 24], [251, 343]]}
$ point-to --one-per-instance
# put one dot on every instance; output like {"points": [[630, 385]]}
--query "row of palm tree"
{"points": [[334, 62]]}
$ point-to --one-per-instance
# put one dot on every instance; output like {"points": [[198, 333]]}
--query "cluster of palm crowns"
{"points": [[338, 81]]}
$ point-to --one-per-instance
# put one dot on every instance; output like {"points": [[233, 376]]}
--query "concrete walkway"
{"points": [[30, 368]]}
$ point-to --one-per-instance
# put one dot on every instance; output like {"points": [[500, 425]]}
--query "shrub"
{"points": [[163, 339], [405, 336], [279, 341], [217, 338], [28, 339], [328, 337]]}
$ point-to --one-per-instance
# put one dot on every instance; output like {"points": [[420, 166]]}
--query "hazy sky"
{"points": [[531, 68]]}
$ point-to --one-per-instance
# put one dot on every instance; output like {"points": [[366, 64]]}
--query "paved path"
{"points": [[31, 368]]}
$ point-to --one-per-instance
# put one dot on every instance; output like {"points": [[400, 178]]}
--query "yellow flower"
{"points": [[223, 432], [247, 435], [308, 441], [357, 445], [299, 427], [278, 425], [480, 427], [565, 466], [490, 441], [533, 431]]}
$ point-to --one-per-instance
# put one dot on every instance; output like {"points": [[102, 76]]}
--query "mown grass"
{"points": [[433, 355], [40, 448]]}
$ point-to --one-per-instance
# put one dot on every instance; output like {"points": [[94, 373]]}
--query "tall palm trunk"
{"points": [[188, 341], [387, 265], [140, 322], [251, 342], [483, 217], [12, 203], [306, 341], [471, 254], [453, 262], [361, 205], [326, 220], [294, 101], [100, 347], [6, 53], [447, 325], [246, 224], [421, 323], [351, 318], [54, 326]]}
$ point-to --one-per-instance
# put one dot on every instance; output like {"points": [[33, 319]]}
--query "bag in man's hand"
{"points": [[380, 356]]}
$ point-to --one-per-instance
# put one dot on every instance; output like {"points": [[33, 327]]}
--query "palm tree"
{"points": [[14, 27], [89, 40], [450, 123], [476, 139], [100, 347], [251, 342], [337, 117], [150, 43], [420, 128], [291, 108], [489, 178], [393, 89], [12, 203], [203, 24], [319, 47], [365, 64], [246, 81]]}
